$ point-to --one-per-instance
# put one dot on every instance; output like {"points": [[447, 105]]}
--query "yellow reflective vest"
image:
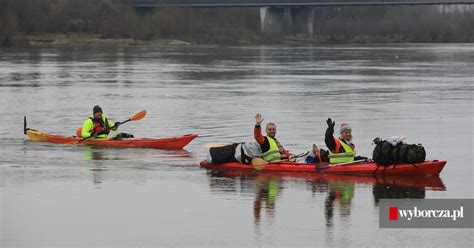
{"points": [[89, 125], [342, 157], [273, 153]]}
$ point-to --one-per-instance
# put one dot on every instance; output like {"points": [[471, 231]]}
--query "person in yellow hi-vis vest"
{"points": [[272, 150], [98, 125], [341, 150]]}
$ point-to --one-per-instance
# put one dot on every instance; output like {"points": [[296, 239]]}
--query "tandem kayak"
{"points": [[362, 168], [172, 143]]}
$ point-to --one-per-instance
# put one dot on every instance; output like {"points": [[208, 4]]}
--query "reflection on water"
{"points": [[96, 172], [339, 190], [98, 161], [266, 192], [339, 193], [387, 191], [95, 154], [91, 153], [98, 167]]}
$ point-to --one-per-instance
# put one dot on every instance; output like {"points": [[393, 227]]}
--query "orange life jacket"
{"points": [[98, 128]]}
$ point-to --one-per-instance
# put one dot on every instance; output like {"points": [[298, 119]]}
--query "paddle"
{"points": [[293, 158], [260, 163], [211, 145], [346, 163], [324, 165], [136, 117]]}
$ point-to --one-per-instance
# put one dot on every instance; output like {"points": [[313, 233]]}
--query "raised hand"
{"points": [[258, 119], [331, 123]]}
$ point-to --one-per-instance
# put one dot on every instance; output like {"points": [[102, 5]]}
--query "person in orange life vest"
{"points": [[341, 149], [97, 125], [271, 148]]}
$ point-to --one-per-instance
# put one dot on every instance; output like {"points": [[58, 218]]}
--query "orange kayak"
{"points": [[362, 168], [172, 143]]}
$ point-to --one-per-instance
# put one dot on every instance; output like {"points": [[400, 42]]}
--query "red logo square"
{"points": [[393, 213]]}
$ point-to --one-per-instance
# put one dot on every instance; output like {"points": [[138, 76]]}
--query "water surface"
{"points": [[61, 195]]}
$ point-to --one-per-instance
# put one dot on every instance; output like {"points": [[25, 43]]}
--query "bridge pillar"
{"points": [[289, 20], [272, 20], [302, 21]]}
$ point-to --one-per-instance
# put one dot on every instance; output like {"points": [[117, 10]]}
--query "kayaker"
{"points": [[271, 148], [99, 126], [341, 150]]}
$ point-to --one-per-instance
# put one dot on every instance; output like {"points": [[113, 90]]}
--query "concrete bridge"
{"points": [[275, 13]]}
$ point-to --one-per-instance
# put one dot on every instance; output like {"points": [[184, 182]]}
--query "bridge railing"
{"points": [[261, 3]]}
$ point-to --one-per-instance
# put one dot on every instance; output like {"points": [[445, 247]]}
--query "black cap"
{"points": [[97, 109]]}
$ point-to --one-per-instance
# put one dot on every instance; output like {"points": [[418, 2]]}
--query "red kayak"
{"points": [[172, 143], [362, 168]]}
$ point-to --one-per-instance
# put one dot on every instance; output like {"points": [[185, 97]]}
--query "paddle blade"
{"points": [[211, 145], [138, 116], [259, 163]]}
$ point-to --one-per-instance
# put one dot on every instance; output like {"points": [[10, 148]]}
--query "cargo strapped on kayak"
{"points": [[385, 153]]}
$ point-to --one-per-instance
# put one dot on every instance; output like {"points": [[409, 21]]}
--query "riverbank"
{"points": [[96, 39], [87, 39], [107, 22]]}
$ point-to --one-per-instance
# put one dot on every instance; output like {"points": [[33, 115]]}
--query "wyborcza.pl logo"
{"points": [[409, 214], [426, 213]]}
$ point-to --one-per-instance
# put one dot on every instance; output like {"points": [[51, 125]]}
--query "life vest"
{"points": [[101, 126], [273, 153], [79, 132], [342, 157]]}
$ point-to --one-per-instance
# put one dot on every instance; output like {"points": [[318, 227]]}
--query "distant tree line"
{"points": [[227, 25], [445, 23]]}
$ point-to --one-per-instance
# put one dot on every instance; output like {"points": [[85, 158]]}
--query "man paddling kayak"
{"points": [[99, 126], [271, 148]]}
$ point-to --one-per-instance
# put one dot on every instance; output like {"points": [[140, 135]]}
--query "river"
{"points": [[65, 196]]}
